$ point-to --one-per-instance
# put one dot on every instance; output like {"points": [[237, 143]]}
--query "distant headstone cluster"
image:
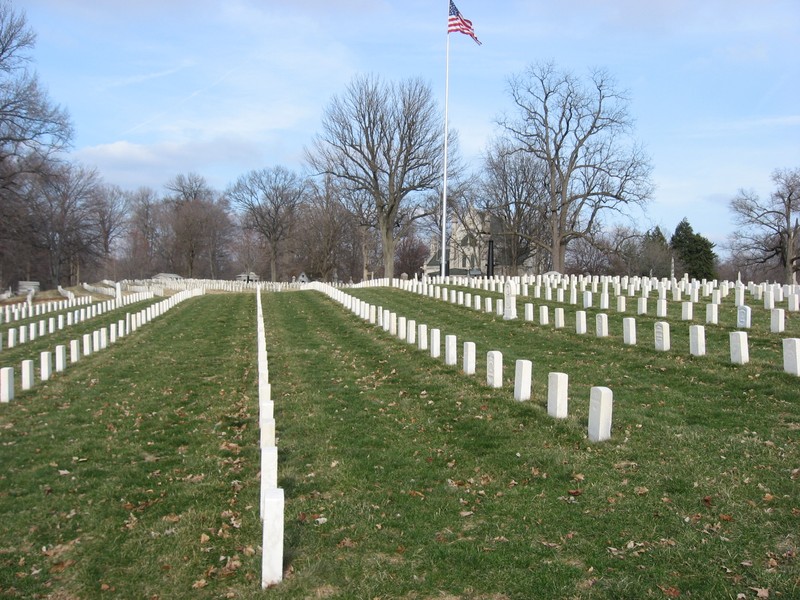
{"points": [[67, 313]]}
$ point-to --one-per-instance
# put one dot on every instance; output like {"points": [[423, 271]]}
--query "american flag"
{"points": [[456, 22]]}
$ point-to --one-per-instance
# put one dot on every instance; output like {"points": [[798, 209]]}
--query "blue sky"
{"points": [[161, 87]]}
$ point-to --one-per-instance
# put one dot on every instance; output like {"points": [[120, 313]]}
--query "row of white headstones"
{"points": [[738, 340], [90, 343], [600, 400], [575, 285], [30, 331], [218, 285], [21, 311], [271, 496]]}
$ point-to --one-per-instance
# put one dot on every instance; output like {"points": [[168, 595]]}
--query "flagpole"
{"points": [[444, 179]]}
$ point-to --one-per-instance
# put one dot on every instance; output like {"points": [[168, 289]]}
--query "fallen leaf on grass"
{"points": [[60, 566], [575, 493], [230, 447], [761, 592], [465, 513], [199, 584], [131, 522], [670, 592], [640, 490], [59, 549], [626, 465], [231, 566], [346, 543]]}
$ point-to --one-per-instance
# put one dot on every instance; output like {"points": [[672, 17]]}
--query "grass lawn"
{"points": [[134, 474]]}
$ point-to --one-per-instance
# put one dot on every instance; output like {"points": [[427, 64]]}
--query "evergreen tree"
{"points": [[694, 253]]}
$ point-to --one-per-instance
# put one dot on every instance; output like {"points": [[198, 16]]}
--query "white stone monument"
{"points": [[509, 301], [450, 351], [601, 404], [743, 316], [740, 353], [662, 339], [629, 331], [697, 339], [580, 322], [601, 325], [791, 356], [6, 384], [523, 373], [494, 369], [469, 358], [557, 384], [436, 345]]}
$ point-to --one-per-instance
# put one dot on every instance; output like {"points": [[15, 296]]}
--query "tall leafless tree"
{"points": [[269, 199], [513, 193], [196, 219], [770, 228], [326, 232], [580, 132], [385, 140], [140, 258], [60, 210], [108, 210], [32, 129], [32, 132]]}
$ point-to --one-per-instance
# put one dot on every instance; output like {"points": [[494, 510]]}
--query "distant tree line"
{"points": [[547, 194]]}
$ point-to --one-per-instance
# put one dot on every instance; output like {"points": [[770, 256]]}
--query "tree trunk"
{"points": [[558, 254], [388, 243], [364, 254], [789, 274]]}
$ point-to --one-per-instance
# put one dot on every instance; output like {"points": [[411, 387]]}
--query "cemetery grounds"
{"points": [[134, 473]]}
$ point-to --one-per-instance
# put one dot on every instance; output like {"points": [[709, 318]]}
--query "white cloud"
{"points": [[132, 165]]}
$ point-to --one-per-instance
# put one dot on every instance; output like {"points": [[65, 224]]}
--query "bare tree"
{"points": [[770, 229], [383, 140], [32, 131], [513, 187], [140, 258], [579, 130], [326, 233], [359, 204], [108, 210], [411, 253], [220, 235], [31, 127], [247, 250], [195, 219], [269, 199], [59, 206]]}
